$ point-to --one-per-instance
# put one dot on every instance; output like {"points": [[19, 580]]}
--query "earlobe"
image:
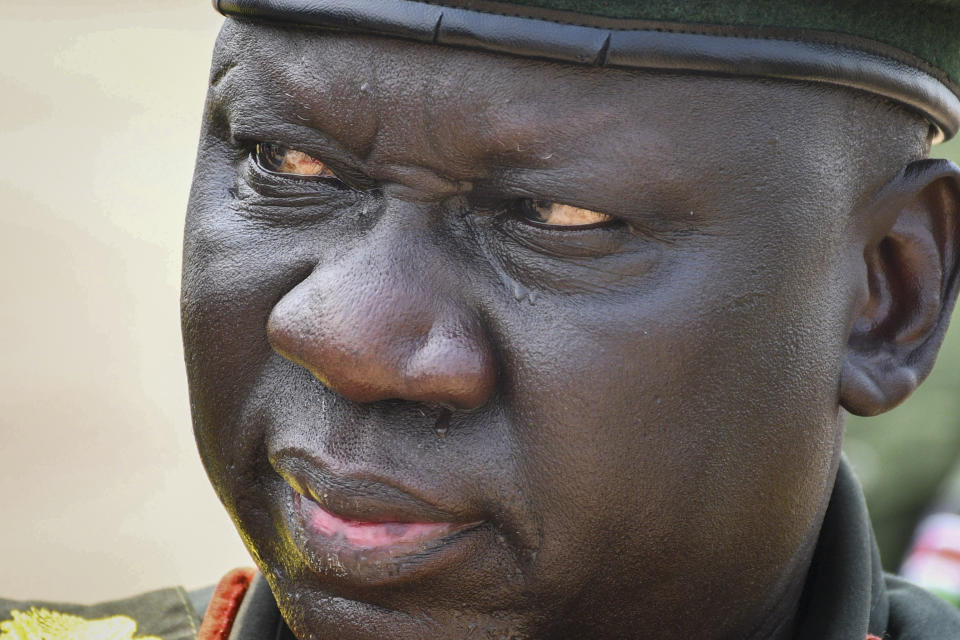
{"points": [[912, 277], [871, 385]]}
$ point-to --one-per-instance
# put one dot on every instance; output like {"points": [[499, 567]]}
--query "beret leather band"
{"points": [[771, 52]]}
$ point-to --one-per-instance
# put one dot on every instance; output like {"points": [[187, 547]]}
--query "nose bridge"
{"points": [[386, 320]]}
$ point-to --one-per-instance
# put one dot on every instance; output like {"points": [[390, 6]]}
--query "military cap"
{"points": [[906, 51]]}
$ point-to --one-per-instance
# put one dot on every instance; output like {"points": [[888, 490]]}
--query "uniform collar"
{"points": [[845, 594], [258, 617]]}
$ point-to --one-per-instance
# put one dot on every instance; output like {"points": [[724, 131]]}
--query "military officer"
{"points": [[540, 319]]}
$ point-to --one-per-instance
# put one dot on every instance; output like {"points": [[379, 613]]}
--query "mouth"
{"points": [[364, 530], [373, 535]]}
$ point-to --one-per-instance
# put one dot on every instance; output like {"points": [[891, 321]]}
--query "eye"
{"points": [[290, 162], [555, 214]]}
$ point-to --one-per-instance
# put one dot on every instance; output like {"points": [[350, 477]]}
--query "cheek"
{"points": [[667, 427], [225, 305], [233, 275]]}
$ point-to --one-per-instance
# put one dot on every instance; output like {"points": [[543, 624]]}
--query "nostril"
{"points": [[443, 422]]}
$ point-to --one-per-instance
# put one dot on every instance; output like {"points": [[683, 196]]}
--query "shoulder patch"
{"points": [[44, 624]]}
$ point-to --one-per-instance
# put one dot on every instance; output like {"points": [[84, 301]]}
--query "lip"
{"points": [[362, 497], [366, 531], [364, 535]]}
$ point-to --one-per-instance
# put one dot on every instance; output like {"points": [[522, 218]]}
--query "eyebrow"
{"points": [[268, 113]]}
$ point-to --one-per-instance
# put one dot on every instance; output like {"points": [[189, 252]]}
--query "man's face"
{"points": [[575, 429]]}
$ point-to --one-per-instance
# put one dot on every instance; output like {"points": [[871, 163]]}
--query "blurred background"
{"points": [[101, 492]]}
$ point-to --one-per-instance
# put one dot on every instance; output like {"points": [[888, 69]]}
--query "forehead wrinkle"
{"points": [[227, 62], [436, 121], [419, 127], [226, 48], [521, 120], [447, 91], [296, 75], [414, 104], [347, 100]]}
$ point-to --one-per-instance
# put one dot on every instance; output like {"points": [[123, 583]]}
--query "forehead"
{"points": [[371, 91]]}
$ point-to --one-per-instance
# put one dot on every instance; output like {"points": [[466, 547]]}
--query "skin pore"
{"points": [[593, 321]]}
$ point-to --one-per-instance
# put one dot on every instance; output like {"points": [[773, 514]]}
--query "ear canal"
{"points": [[912, 276]]}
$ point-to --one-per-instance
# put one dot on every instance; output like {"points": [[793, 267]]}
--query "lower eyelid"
{"points": [[295, 210], [571, 228], [595, 241], [549, 262]]}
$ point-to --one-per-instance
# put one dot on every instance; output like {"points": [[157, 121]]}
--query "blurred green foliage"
{"points": [[903, 457]]}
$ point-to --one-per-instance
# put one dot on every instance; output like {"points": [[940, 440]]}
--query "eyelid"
{"points": [[343, 176], [256, 182]]}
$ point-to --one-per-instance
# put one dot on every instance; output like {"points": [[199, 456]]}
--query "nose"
{"points": [[387, 320]]}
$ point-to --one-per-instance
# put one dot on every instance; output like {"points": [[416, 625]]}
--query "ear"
{"points": [[912, 276]]}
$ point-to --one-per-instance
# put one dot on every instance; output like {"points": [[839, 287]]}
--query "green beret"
{"points": [[905, 51]]}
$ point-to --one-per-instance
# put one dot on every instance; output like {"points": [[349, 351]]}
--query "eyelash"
{"points": [[253, 152]]}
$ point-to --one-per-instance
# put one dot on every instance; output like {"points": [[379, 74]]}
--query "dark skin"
{"points": [[633, 419]]}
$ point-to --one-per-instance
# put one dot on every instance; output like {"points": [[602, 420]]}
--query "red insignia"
{"points": [[224, 604]]}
